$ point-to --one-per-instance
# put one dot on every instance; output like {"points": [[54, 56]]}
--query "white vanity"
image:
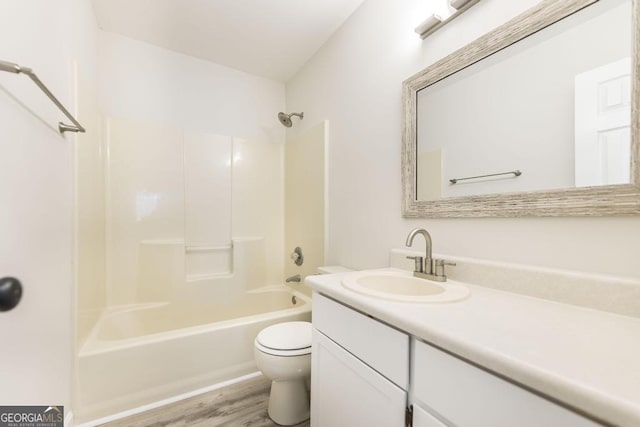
{"points": [[494, 359]]}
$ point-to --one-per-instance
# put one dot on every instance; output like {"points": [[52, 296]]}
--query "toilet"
{"points": [[283, 354]]}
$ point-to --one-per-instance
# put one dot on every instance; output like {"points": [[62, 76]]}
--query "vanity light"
{"points": [[429, 24], [458, 4], [434, 22]]}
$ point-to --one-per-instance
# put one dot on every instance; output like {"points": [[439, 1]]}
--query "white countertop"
{"points": [[588, 359]]}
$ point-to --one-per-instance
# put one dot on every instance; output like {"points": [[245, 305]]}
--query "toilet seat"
{"points": [[285, 339]]}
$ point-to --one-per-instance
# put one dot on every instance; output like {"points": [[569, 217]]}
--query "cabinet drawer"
{"points": [[469, 396], [383, 348]]}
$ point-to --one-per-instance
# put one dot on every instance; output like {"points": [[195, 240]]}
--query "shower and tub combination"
{"points": [[143, 353], [188, 298]]}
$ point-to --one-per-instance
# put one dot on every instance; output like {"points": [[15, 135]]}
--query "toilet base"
{"points": [[288, 402]]}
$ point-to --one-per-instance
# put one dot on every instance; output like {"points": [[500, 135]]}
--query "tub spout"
{"points": [[295, 278]]}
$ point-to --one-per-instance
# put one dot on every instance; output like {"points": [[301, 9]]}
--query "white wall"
{"points": [[36, 193], [354, 81], [139, 81]]}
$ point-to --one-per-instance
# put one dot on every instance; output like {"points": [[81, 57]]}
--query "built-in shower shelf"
{"points": [[194, 249], [205, 262], [162, 242], [212, 276]]}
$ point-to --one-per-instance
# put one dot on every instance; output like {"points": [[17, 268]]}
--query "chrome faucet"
{"points": [[295, 278], [427, 267], [422, 265]]}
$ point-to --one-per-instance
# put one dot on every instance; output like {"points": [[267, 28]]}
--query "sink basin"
{"points": [[401, 286]]}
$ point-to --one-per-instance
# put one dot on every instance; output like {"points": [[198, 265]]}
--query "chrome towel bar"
{"points": [[515, 173], [16, 69]]}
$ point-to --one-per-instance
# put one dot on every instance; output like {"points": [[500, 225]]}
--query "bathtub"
{"points": [[140, 354]]}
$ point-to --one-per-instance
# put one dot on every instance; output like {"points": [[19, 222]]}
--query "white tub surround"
{"points": [[583, 358]]}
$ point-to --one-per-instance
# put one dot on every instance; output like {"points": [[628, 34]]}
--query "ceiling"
{"points": [[269, 38]]}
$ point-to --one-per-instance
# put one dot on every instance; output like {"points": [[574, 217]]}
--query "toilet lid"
{"points": [[286, 336]]}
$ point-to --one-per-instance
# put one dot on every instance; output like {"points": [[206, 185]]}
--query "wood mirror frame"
{"points": [[623, 199]]}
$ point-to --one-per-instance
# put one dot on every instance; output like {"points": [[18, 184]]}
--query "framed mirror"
{"points": [[539, 117]]}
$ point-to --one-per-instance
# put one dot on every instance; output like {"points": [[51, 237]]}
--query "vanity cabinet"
{"points": [[446, 390], [367, 373], [359, 369]]}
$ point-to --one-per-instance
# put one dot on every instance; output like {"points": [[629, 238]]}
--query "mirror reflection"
{"points": [[552, 111]]}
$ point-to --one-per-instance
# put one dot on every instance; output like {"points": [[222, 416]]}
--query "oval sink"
{"points": [[400, 286]]}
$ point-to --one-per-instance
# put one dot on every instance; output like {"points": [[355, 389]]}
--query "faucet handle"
{"points": [[297, 256], [418, 263], [439, 266]]}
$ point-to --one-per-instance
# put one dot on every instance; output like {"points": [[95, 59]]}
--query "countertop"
{"points": [[585, 358]]}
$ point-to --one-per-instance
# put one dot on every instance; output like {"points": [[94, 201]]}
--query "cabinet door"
{"points": [[346, 392], [36, 230]]}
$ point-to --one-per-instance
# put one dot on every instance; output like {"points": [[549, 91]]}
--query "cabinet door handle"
{"points": [[10, 293]]}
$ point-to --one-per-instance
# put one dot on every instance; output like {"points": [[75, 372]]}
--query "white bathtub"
{"points": [[140, 354]]}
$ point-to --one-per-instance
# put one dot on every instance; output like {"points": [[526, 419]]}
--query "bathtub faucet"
{"points": [[295, 278]]}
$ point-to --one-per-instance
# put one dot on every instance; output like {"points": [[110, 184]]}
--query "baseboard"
{"points": [[158, 404], [68, 419]]}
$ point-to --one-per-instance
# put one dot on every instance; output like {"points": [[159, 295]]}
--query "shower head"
{"points": [[285, 119]]}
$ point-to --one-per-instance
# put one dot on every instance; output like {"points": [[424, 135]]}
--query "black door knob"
{"points": [[10, 293]]}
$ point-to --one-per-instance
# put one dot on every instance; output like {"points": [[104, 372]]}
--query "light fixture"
{"points": [[429, 23], [435, 21], [458, 4]]}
